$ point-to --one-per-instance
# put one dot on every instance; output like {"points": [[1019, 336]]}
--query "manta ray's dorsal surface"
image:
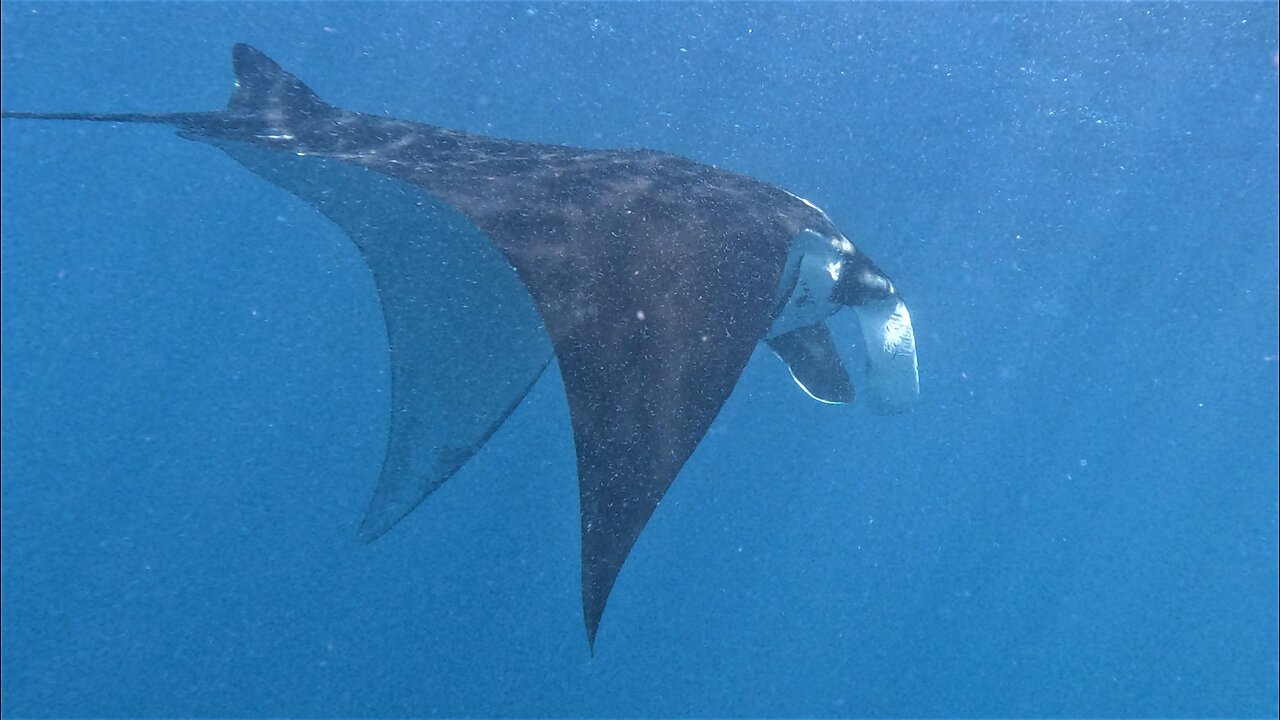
{"points": [[649, 276]]}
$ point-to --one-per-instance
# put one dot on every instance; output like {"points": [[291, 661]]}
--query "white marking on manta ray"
{"points": [[806, 202], [834, 268], [807, 392]]}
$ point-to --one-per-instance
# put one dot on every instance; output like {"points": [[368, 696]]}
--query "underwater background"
{"points": [[1078, 201]]}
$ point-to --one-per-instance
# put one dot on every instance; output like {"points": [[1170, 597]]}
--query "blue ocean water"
{"points": [[1079, 202]]}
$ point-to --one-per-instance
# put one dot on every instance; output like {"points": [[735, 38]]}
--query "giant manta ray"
{"points": [[650, 278]]}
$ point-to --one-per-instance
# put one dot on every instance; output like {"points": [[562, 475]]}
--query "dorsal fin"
{"points": [[261, 85]]}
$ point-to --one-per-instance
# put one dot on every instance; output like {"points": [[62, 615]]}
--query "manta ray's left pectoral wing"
{"points": [[466, 343]]}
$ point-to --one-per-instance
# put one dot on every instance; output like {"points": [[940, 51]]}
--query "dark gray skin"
{"points": [[655, 276]]}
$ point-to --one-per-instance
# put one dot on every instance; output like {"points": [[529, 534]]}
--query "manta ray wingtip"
{"points": [[374, 526]]}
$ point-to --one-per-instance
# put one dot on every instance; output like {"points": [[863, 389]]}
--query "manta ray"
{"points": [[647, 277]]}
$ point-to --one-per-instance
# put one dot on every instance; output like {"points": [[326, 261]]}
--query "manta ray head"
{"points": [[824, 273]]}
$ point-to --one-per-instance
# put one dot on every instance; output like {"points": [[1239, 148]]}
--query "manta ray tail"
{"points": [[157, 118], [263, 89]]}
